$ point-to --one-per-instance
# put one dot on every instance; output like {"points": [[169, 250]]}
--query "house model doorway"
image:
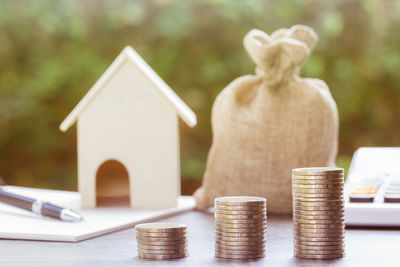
{"points": [[112, 184]]}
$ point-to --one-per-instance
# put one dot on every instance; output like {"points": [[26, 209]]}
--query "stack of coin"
{"points": [[240, 224], [318, 212], [161, 241]]}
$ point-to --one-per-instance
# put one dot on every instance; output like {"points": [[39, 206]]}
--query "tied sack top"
{"points": [[279, 57]]}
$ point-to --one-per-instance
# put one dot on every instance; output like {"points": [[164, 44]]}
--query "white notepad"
{"points": [[20, 224]]}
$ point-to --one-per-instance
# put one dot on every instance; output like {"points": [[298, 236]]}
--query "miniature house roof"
{"points": [[130, 54]]}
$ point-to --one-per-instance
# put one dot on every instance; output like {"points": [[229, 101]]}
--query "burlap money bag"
{"points": [[265, 125]]}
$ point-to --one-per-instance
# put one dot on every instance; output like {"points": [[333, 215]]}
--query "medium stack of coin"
{"points": [[161, 241], [318, 212], [240, 224]]}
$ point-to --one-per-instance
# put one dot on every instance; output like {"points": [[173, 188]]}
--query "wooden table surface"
{"points": [[364, 247]]}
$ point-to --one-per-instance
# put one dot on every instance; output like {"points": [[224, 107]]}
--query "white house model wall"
{"points": [[130, 120]]}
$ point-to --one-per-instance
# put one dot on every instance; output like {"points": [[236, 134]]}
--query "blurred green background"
{"points": [[52, 52]]}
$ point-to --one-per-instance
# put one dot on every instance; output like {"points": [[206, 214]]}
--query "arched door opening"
{"points": [[112, 184]]}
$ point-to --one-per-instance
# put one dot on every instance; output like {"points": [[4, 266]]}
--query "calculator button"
{"points": [[392, 198], [362, 198]]}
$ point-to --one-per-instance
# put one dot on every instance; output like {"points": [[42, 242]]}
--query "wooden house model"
{"points": [[128, 137]]}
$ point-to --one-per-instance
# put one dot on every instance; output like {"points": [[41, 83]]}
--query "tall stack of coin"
{"points": [[318, 212], [161, 241], [240, 224]]}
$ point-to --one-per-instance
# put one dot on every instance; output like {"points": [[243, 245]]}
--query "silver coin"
{"points": [[318, 212], [160, 227], [318, 171], [161, 239]]}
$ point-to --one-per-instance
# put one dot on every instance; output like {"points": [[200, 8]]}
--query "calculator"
{"points": [[372, 187]]}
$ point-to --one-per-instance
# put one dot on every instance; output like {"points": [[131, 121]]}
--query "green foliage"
{"points": [[52, 52]]}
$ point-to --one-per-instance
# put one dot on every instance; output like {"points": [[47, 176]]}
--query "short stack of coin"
{"points": [[161, 241], [318, 212], [240, 224]]}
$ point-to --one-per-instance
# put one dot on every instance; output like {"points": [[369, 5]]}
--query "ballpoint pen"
{"points": [[39, 207]]}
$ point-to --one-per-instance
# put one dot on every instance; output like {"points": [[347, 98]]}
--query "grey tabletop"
{"points": [[364, 247]]}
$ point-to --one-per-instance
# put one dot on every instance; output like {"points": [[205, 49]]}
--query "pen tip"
{"points": [[70, 216]]}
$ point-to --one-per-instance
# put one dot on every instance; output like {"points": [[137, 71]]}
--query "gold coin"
{"points": [[241, 212], [240, 239], [317, 190], [295, 220], [161, 257], [243, 236], [318, 243], [320, 226], [319, 257], [317, 186], [241, 225], [318, 171], [237, 208], [318, 212], [160, 227], [316, 247], [317, 235], [322, 231], [318, 217], [241, 201], [240, 243], [337, 182], [160, 243], [320, 251], [235, 239], [163, 252], [239, 217], [162, 247], [239, 252], [162, 235], [248, 221], [161, 239], [231, 256], [320, 208], [317, 177], [240, 230], [315, 199], [319, 239]]}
